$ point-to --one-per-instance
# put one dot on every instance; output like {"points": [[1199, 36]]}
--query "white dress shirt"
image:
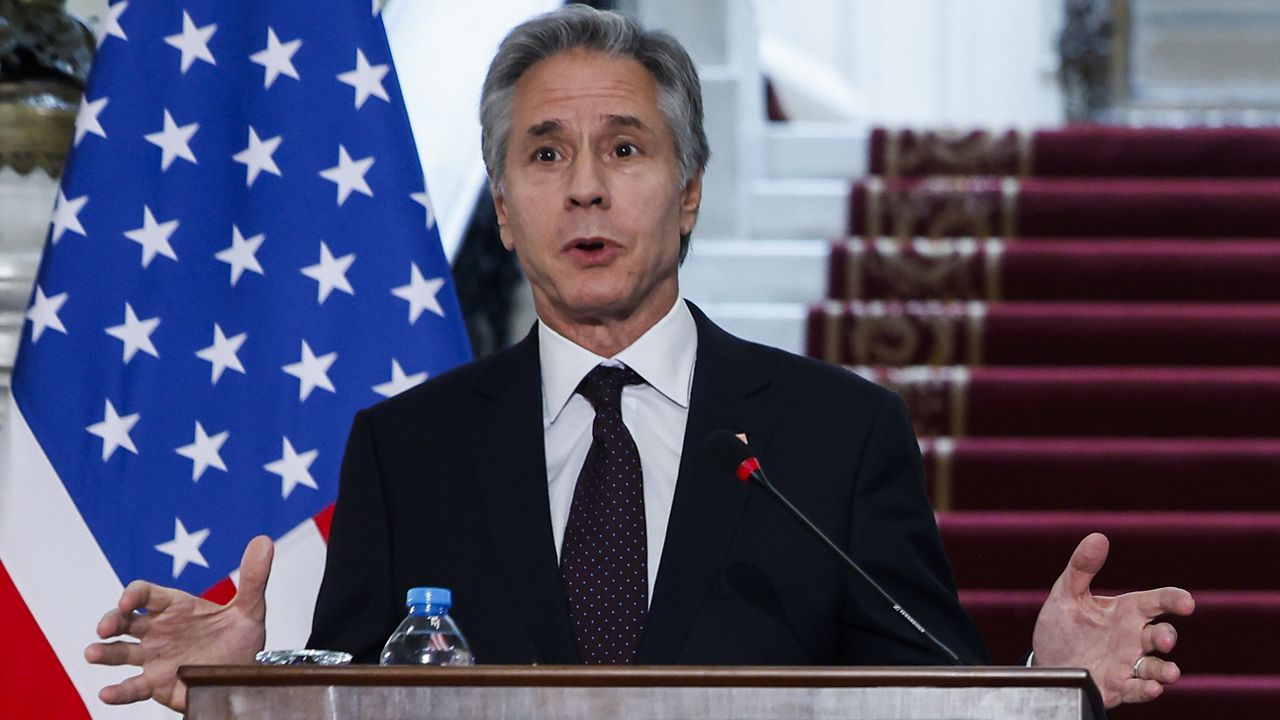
{"points": [[655, 413]]}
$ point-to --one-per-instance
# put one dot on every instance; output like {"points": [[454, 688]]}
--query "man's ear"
{"points": [[690, 201], [500, 207]]}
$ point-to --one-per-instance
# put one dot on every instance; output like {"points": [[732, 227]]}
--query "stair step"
{"points": [[1088, 150], [1196, 697], [815, 150], [1033, 333], [799, 208], [792, 271], [1113, 270], [1010, 551], [1054, 207], [1155, 401], [1100, 474], [780, 325]]}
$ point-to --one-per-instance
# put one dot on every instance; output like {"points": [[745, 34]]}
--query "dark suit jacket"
{"points": [[445, 485]]}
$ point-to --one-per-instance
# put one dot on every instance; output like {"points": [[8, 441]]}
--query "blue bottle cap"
{"points": [[440, 597]]}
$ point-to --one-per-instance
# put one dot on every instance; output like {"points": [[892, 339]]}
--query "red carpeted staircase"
{"points": [[1085, 324]]}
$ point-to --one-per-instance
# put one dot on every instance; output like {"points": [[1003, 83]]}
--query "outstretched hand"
{"points": [[180, 629], [1108, 635]]}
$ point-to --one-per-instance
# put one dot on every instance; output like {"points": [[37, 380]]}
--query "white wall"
{"points": [[925, 63], [442, 51]]}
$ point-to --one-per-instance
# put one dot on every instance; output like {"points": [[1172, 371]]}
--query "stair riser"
{"points": [[1012, 551], [1045, 334], [1088, 402], [1109, 270]]}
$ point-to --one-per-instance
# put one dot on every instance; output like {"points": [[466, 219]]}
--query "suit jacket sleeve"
{"points": [[355, 609], [893, 535]]}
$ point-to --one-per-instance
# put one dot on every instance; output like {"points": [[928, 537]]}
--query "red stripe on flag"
{"points": [[323, 521], [222, 593], [33, 683]]}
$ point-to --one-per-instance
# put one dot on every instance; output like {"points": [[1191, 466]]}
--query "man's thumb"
{"points": [[255, 567], [1086, 561]]}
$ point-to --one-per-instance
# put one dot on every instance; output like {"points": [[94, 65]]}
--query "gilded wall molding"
{"points": [[45, 56]]}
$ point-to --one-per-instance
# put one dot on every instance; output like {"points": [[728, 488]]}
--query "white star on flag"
{"points": [[312, 372], [44, 314], [153, 237], [366, 79], [423, 199], [87, 119], [135, 334], [276, 59], [293, 468], [330, 273], [184, 548], [399, 381], [111, 23], [257, 157], [173, 141], [193, 42], [420, 293], [203, 452], [348, 174], [222, 353], [377, 5], [242, 255], [114, 431], [65, 215]]}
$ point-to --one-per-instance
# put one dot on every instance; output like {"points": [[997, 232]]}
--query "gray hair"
{"points": [[579, 26]]}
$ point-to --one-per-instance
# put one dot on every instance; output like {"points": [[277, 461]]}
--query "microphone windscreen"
{"points": [[727, 451]]}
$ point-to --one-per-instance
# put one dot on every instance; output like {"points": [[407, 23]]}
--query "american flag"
{"points": [[242, 254]]}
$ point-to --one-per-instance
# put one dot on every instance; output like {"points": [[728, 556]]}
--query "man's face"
{"points": [[591, 203]]}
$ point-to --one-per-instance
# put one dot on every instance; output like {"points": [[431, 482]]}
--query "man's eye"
{"points": [[625, 150], [545, 155]]}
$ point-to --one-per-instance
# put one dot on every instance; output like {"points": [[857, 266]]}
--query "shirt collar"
{"points": [[664, 356]]}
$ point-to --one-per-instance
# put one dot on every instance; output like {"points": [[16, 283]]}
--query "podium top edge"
{"points": [[632, 676]]}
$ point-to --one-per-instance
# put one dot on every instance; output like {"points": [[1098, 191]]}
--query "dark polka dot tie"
{"points": [[604, 560]]}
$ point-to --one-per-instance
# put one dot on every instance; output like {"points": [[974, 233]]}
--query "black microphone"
{"points": [[733, 454]]}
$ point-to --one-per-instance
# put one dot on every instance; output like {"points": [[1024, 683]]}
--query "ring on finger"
{"points": [[1137, 666]]}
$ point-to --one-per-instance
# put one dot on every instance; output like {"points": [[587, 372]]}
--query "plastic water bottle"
{"points": [[427, 636]]}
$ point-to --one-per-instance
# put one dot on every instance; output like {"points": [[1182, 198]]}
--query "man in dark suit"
{"points": [[554, 485], [448, 482]]}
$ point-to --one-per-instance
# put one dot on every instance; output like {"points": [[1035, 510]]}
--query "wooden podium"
{"points": [[638, 693]]}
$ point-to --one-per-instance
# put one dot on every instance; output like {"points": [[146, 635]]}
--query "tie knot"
{"points": [[602, 387]]}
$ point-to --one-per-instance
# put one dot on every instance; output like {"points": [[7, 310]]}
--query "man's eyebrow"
{"points": [[630, 121], [544, 128], [550, 127]]}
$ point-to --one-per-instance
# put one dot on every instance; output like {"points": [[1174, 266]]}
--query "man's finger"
{"points": [[116, 653], [1086, 561], [135, 689], [1161, 671], [1138, 691], [142, 595], [1165, 601], [1159, 637], [115, 623], [255, 568]]}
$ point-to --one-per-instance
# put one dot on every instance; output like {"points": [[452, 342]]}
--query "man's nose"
{"points": [[587, 184]]}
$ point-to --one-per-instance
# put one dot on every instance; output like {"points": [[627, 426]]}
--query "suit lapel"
{"points": [[708, 501], [511, 457]]}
